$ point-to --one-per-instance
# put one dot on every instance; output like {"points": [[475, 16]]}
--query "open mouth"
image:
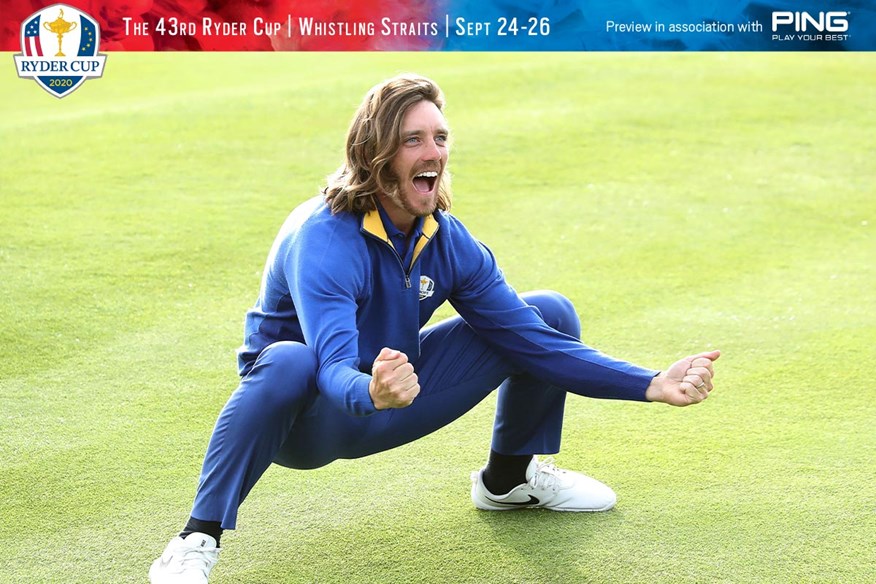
{"points": [[425, 181]]}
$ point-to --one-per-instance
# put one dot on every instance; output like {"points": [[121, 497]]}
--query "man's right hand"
{"points": [[393, 381]]}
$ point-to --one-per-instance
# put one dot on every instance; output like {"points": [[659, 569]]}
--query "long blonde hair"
{"points": [[373, 139]]}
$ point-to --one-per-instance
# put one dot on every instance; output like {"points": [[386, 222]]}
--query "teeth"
{"points": [[428, 174]]}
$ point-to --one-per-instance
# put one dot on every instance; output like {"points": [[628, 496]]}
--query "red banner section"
{"points": [[242, 25]]}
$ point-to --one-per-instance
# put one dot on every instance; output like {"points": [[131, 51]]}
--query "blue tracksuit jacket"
{"points": [[336, 284]]}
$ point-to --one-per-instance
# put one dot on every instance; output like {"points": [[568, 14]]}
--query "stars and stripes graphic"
{"points": [[31, 44]]}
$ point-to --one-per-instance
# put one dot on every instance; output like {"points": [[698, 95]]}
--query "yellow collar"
{"points": [[372, 225]]}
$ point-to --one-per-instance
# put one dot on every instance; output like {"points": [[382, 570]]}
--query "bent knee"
{"points": [[284, 372], [295, 359], [556, 310]]}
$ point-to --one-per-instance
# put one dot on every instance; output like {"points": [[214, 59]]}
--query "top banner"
{"points": [[465, 25]]}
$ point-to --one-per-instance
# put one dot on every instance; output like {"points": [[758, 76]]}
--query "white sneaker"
{"points": [[185, 561], [546, 487]]}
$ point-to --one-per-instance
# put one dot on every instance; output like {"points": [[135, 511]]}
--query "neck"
{"points": [[402, 220]]}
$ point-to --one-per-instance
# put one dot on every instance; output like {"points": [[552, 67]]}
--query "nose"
{"points": [[432, 153]]}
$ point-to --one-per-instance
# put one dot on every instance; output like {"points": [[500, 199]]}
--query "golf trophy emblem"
{"points": [[69, 27], [60, 27]]}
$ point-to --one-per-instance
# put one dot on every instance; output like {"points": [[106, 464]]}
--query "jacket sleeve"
{"points": [[490, 306], [325, 278]]}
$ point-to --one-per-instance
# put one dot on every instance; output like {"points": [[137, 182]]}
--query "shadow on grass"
{"points": [[553, 546]]}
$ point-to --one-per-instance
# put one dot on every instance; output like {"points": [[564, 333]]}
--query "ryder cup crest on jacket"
{"points": [[59, 47], [427, 287]]}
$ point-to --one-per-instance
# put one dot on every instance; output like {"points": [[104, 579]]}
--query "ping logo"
{"points": [[427, 287], [803, 21], [59, 47]]}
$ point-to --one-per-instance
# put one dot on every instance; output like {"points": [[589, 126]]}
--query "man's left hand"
{"points": [[686, 382]]}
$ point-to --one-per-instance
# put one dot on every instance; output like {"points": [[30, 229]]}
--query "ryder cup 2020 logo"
{"points": [[59, 49]]}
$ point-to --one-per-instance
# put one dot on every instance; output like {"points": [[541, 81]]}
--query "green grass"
{"points": [[682, 201]]}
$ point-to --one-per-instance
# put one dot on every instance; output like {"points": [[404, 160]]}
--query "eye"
{"points": [[412, 140], [441, 139]]}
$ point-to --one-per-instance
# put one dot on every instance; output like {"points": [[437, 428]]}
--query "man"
{"points": [[337, 361]]}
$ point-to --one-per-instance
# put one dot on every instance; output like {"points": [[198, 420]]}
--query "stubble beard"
{"points": [[404, 202]]}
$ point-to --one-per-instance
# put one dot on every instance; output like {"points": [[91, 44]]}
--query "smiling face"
{"points": [[418, 165]]}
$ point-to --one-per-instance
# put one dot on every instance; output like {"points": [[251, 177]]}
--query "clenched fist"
{"points": [[393, 381], [688, 381]]}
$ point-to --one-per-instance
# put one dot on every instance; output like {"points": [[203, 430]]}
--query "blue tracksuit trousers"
{"points": [[278, 415]]}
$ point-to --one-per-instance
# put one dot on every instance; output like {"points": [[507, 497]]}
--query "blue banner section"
{"points": [[654, 25]]}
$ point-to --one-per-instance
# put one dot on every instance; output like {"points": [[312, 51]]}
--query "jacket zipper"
{"points": [[407, 273]]}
